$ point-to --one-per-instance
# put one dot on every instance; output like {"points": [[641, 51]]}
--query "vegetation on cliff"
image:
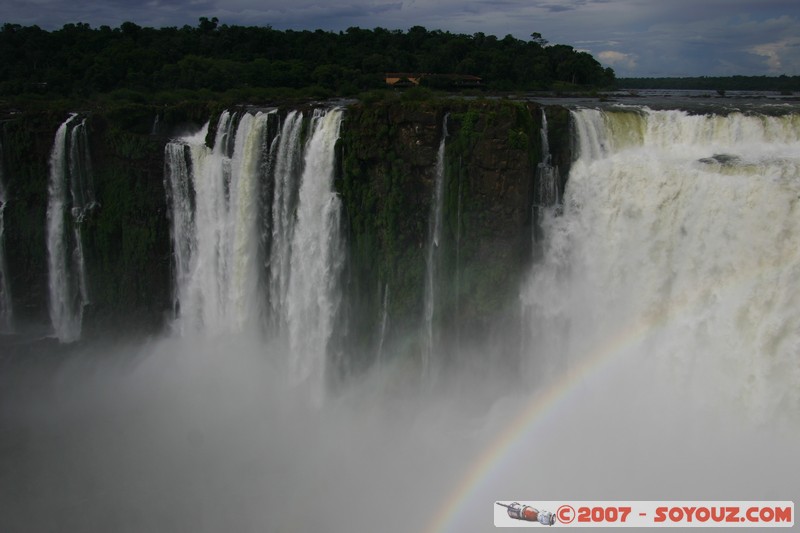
{"points": [[389, 154]]}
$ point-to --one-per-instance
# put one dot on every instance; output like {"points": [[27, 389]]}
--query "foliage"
{"points": [[26, 145], [136, 63], [126, 240], [390, 151]]}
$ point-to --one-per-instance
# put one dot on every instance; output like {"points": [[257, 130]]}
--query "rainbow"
{"points": [[601, 361], [543, 403]]}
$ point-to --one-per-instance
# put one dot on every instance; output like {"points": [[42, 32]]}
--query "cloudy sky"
{"points": [[635, 37]]}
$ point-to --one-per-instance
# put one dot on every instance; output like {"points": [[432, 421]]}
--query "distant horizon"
{"points": [[636, 38], [708, 77]]}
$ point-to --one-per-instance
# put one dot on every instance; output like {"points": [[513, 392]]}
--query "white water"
{"points": [[205, 434], [82, 198], [70, 197], [431, 260], [215, 225], [6, 307], [688, 259], [228, 278], [80, 172], [547, 193], [664, 318], [313, 296], [180, 194], [288, 168]]}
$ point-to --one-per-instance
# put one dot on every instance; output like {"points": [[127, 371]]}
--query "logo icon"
{"points": [[528, 513]]}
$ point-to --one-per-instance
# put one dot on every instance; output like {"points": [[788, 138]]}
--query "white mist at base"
{"points": [[203, 435], [637, 379]]}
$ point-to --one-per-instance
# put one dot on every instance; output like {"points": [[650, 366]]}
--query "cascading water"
{"points": [[215, 225], [245, 278], [547, 186], [61, 312], [383, 325], [288, 166], [80, 172], [677, 245], [69, 191], [180, 194], [216, 216], [685, 229], [82, 197], [434, 241], [312, 298], [6, 309]]}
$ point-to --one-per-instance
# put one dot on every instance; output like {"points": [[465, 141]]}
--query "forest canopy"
{"points": [[131, 61]]}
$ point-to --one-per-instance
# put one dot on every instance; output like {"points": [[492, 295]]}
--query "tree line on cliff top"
{"points": [[78, 61]]}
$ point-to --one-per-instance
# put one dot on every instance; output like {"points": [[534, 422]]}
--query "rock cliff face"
{"points": [[27, 141], [388, 154]]}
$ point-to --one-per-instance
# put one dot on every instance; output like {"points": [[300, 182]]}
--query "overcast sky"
{"points": [[635, 37]]}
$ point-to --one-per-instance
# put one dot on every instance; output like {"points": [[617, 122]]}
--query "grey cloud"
{"points": [[556, 8], [724, 45]]}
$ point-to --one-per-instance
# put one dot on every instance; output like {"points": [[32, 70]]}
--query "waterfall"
{"points": [[383, 325], [685, 230], [80, 172], [667, 282], [180, 197], [6, 309], [243, 276], [231, 276], [214, 196], [457, 276], [546, 157], [70, 191], [312, 298], [434, 241], [288, 165], [82, 198], [547, 189], [61, 309]]}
